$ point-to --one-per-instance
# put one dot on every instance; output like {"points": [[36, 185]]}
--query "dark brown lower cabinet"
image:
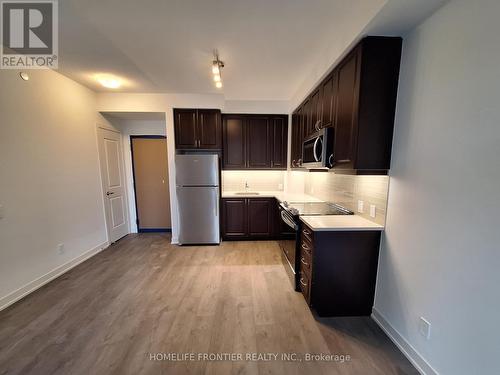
{"points": [[249, 218], [234, 218], [338, 271]]}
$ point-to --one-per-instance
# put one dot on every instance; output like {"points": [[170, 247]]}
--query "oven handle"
{"points": [[288, 221]]}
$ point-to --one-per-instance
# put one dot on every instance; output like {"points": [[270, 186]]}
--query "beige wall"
{"points": [[49, 179]]}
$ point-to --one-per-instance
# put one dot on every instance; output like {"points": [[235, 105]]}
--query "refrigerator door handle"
{"points": [[216, 206]]}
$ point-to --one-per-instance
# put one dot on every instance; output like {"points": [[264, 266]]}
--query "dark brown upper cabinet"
{"points": [[279, 144], [358, 99], [316, 112], [258, 143], [329, 88], [297, 138], [254, 141], [197, 129]]}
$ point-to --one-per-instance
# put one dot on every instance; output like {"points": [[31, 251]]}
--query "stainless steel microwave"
{"points": [[317, 150]]}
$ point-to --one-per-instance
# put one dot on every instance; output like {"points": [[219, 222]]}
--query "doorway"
{"points": [[151, 188]]}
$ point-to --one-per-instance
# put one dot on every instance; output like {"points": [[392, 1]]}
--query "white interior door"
{"points": [[113, 181]]}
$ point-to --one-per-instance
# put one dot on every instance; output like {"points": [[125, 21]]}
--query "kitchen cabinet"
{"points": [[197, 129], [279, 144], [258, 143], [358, 99], [316, 113], [297, 138], [248, 218], [338, 271], [260, 217], [234, 149], [329, 88], [255, 141], [235, 218]]}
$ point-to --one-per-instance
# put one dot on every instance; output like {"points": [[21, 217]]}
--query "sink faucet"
{"points": [[246, 186]]}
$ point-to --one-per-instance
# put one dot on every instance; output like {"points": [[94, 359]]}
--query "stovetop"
{"points": [[315, 208]]}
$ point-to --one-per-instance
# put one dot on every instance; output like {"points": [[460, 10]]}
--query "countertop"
{"points": [[279, 195], [340, 223], [316, 223]]}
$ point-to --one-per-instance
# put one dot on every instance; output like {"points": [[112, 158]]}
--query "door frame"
{"points": [[104, 126], [144, 230]]}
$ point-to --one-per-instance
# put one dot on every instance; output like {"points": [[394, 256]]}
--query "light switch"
{"points": [[1, 212], [373, 210]]}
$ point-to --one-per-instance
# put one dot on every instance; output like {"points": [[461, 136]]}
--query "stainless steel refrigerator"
{"points": [[197, 185]]}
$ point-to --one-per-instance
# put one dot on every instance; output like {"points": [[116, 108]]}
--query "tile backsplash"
{"points": [[346, 190], [257, 180]]}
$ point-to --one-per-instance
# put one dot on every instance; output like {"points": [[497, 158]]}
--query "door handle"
{"points": [[109, 193]]}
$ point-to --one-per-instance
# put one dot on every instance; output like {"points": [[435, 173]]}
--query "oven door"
{"points": [[288, 244]]}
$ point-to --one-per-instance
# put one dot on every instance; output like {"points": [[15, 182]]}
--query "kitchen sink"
{"points": [[247, 193]]}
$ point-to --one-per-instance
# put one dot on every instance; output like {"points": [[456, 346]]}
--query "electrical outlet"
{"points": [[373, 210], [280, 186], [424, 327], [60, 248], [361, 206]]}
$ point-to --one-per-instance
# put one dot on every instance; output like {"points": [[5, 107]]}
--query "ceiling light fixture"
{"points": [[108, 81], [217, 66]]}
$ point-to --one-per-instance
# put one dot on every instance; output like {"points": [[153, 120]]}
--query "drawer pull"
{"points": [[303, 261], [303, 283], [305, 247], [306, 232]]}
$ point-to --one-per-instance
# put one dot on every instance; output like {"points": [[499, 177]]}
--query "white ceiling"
{"points": [[269, 46]]}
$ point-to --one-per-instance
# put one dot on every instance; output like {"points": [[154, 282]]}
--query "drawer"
{"points": [[305, 287], [307, 235], [306, 265]]}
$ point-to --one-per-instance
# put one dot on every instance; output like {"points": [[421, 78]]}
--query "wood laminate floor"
{"points": [[143, 295]]}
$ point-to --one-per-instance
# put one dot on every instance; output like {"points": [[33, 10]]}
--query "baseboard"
{"points": [[175, 240], [16, 295], [404, 346]]}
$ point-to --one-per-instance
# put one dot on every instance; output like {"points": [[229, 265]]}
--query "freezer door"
{"points": [[198, 215], [197, 170]]}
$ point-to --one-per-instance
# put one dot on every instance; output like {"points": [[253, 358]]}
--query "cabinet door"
{"points": [[185, 128], [234, 142], [306, 118], [329, 99], [235, 215], [279, 136], [260, 217], [346, 112], [258, 142], [297, 138], [316, 112], [209, 129]]}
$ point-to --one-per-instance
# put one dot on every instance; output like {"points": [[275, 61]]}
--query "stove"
{"points": [[289, 243], [315, 208]]}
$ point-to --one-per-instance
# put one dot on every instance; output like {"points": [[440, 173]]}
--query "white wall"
{"points": [[50, 186], [440, 255], [134, 127]]}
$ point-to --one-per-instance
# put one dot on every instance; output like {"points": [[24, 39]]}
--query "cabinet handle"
{"points": [[303, 261], [330, 161], [294, 163], [306, 232], [303, 283], [316, 126], [300, 162], [305, 247]]}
